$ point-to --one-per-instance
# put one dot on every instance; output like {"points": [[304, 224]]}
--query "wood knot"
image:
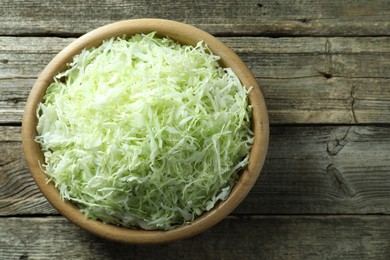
{"points": [[339, 141], [304, 20], [339, 182], [24, 256], [325, 74]]}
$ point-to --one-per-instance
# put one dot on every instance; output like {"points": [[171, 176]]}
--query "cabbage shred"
{"points": [[145, 132]]}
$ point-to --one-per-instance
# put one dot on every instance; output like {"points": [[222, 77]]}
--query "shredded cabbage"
{"points": [[145, 132]]}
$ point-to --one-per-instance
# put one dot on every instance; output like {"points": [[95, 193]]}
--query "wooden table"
{"points": [[324, 68]]}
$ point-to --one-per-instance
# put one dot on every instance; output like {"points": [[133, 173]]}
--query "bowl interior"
{"points": [[184, 34]]}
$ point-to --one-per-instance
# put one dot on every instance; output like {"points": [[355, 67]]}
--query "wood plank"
{"points": [[264, 237], [266, 17], [308, 56], [13, 96], [317, 100], [324, 170], [309, 170], [18, 192], [304, 80]]}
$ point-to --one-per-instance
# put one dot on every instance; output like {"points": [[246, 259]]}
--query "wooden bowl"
{"points": [[184, 34]]}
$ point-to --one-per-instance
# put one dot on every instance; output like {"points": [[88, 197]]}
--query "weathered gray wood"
{"points": [[259, 237], [324, 170], [304, 80], [309, 170], [250, 17], [18, 191], [13, 96], [337, 175]]}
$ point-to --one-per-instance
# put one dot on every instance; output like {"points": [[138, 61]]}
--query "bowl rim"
{"points": [[184, 34]]}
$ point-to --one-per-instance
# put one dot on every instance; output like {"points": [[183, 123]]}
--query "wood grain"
{"points": [[324, 170], [309, 170], [18, 192], [305, 80], [265, 17], [324, 69], [257, 237]]}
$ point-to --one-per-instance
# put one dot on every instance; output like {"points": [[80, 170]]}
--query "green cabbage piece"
{"points": [[145, 132]]}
